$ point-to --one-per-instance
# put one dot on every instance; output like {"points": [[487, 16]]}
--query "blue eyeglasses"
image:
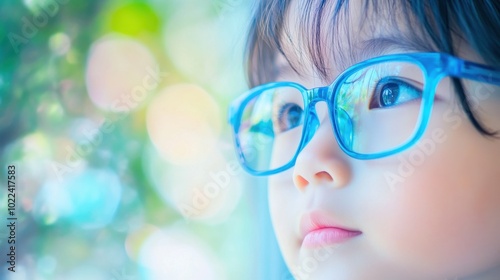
{"points": [[378, 108]]}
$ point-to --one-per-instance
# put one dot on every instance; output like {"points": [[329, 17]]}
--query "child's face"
{"points": [[430, 212]]}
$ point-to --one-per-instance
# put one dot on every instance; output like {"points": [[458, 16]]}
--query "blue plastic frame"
{"points": [[435, 66]]}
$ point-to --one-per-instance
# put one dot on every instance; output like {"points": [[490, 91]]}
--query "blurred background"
{"points": [[114, 115]]}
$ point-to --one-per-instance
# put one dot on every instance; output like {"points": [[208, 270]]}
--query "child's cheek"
{"points": [[443, 217], [284, 209]]}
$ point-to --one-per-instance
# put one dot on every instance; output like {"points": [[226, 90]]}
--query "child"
{"points": [[378, 122]]}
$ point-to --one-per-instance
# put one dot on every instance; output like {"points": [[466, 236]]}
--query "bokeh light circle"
{"points": [[209, 48], [134, 19], [207, 191], [176, 254], [136, 239], [60, 43], [183, 123], [88, 199], [32, 155], [120, 74]]}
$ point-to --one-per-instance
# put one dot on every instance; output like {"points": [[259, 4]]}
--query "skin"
{"points": [[440, 222]]}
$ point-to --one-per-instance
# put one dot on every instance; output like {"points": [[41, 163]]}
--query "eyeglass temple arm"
{"points": [[477, 72]]}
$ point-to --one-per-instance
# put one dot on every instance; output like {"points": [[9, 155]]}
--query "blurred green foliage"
{"points": [[43, 94]]}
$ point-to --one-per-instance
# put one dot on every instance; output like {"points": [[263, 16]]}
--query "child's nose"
{"points": [[322, 162]]}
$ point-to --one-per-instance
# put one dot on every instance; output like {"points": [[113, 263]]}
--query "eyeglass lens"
{"points": [[376, 109]]}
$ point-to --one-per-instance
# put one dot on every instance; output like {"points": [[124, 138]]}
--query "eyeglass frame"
{"points": [[434, 66]]}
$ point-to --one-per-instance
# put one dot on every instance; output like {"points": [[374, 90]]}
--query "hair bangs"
{"points": [[422, 25]]}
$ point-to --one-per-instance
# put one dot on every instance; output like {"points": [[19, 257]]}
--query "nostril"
{"points": [[323, 176], [300, 182]]}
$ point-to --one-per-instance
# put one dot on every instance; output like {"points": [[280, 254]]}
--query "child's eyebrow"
{"points": [[383, 45]]}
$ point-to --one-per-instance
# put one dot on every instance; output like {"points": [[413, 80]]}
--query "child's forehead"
{"points": [[321, 39]]}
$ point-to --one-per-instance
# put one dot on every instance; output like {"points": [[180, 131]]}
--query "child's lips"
{"points": [[318, 229]]}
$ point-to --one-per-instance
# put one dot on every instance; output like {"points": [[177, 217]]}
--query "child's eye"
{"points": [[392, 91], [288, 116]]}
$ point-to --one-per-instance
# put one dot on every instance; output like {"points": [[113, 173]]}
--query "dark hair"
{"points": [[441, 24]]}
